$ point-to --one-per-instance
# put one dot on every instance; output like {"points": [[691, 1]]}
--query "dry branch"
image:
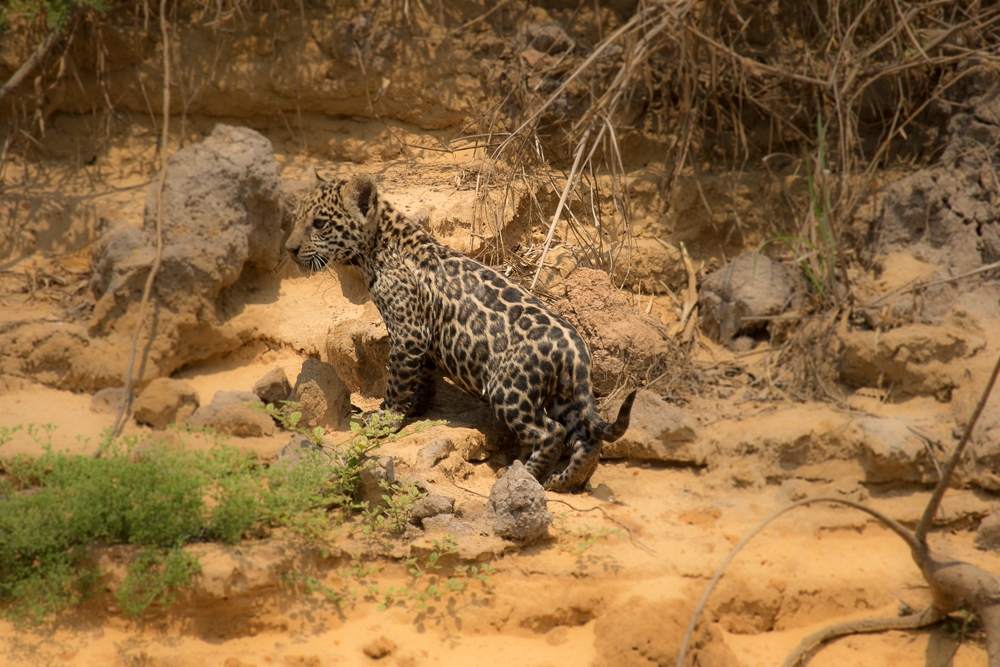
{"points": [[952, 583], [40, 53], [154, 269]]}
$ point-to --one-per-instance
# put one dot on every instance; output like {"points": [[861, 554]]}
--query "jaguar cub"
{"points": [[445, 310]]}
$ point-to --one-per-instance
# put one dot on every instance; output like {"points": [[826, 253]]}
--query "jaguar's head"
{"points": [[332, 222]]}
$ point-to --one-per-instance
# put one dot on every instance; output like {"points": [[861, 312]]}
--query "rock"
{"points": [[379, 648], [472, 444], [61, 355], [358, 350], [108, 400], [434, 451], [323, 397], [657, 431], [222, 217], [432, 505], [712, 650], [517, 506], [652, 266], [273, 387], [891, 452], [604, 493], [915, 359], [296, 450], [373, 473], [947, 213], [621, 341], [229, 413], [641, 632], [984, 452], [449, 525], [165, 401], [988, 535], [733, 299], [469, 509], [548, 37]]}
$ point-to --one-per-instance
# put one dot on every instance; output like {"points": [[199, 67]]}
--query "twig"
{"points": [[684, 325], [895, 526], [472, 22], [598, 508], [127, 398], [43, 49], [754, 66], [610, 518], [567, 192], [934, 283], [935, 502]]}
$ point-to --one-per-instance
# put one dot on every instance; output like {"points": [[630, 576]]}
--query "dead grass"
{"points": [[839, 89]]}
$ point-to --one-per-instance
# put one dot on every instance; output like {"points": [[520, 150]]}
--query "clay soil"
{"points": [[625, 598]]}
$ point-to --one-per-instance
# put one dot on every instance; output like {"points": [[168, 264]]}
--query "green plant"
{"points": [[155, 575], [348, 460], [289, 416], [815, 248], [357, 573], [57, 12], [959, 623], [576, 541], [428, 584], [823, 242], [156, 497], [392, 517]]}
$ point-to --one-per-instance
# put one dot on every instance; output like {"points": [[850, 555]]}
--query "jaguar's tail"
{"points": [[598, 427]]}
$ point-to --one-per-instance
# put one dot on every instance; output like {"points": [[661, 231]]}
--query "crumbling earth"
{"points": [[611, 576]]}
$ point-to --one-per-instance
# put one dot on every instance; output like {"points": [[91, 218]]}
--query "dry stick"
{"points": [[472, 22], [562, 200], [942, 486], [632, 24], [636, 23], [893, 524], [951, 582], [610, 518], [755, 66], [933, 283], [127, 398], [43, 49], [598, 508]]}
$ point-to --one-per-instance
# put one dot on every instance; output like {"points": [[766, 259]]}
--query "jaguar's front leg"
{"points": [[408, 380]]}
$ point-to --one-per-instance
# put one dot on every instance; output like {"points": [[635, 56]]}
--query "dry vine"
{"points": [[952, 583], [154, 269]]}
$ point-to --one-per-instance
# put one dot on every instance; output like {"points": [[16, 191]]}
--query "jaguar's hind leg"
{"points": [[584, 451], [534, 428]]}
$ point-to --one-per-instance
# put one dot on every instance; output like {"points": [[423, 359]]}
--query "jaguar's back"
{"points": [[444, 309]]}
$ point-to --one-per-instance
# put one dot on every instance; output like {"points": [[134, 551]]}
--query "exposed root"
{"points": [[928, 616], [952, 583]]}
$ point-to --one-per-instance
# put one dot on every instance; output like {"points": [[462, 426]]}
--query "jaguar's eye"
{"points": [[318, 223]]}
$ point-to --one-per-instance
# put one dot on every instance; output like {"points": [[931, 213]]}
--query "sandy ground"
{"points": [[624, 600], [546, 605]]}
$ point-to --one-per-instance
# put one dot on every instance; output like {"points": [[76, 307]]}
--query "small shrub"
{"points": [[153, 496], [159, 497]]}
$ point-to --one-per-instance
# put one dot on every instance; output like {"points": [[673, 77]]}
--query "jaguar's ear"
{"points": [[314, 178], [363, 193]]}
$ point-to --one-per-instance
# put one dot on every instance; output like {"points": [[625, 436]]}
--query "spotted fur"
{"points": [[445, 310]]}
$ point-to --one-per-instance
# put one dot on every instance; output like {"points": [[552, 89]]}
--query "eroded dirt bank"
{"points": [[862, 401]]}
